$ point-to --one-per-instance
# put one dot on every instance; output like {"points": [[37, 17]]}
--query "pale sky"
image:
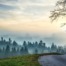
{"points": [[27, 15], [30, 17]]}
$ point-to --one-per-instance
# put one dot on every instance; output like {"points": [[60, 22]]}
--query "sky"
{"points": [[29, 20]]}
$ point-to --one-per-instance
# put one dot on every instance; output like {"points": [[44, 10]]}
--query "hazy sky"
{"points": [[26, 19]]}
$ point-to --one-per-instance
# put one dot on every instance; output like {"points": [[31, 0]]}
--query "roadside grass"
{"points": [[26, 60]]}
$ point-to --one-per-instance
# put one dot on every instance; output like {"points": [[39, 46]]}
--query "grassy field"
{"points": [[27, 60]]}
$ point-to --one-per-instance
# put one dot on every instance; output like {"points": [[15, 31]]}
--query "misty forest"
{"points": [[12, 48], [32, 32]]}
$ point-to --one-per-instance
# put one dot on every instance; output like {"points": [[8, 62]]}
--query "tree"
{"points": [[0, 50], [21, 50], [60, 49], [36, 51], [36, 44], [29, 45], [15, 43], [13, 49], [24, 43], [2, 39], [25, 50], [7, 49], [60, 10], [41, 43], [10, 40], [3, 49], [53, 48], [44, 45]]}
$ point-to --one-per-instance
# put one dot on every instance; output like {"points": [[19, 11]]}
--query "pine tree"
{"points": [[10, 40], [7, 48], [36, 51]]}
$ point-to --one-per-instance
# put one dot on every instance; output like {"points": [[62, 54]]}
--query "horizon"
{"points": [[29, 20], [21, 42]]}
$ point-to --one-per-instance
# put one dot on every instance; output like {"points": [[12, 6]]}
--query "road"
{"points": [[52, 60]]}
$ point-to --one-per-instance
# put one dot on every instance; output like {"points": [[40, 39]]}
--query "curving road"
{"points": [[52, 60]]}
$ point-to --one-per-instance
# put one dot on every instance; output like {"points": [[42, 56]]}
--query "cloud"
{"points": [[25, 8], [37, 10], [8, 1], [6, 7], [57, 38], [13, 11]]}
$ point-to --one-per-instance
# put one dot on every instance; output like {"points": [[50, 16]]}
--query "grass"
{"points": [[27, 60]]}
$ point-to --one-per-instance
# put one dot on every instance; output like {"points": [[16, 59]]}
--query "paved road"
{"points": [[53, 60]]}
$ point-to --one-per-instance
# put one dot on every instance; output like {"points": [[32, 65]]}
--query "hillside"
{"points": [[26, 60]]}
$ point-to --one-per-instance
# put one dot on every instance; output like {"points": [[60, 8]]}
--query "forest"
{"points": [[12, 48]]}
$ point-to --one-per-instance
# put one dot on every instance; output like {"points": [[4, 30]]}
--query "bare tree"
{"points": [[60, 10]]}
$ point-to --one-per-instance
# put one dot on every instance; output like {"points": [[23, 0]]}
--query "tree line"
{"points": [[12, 48]]}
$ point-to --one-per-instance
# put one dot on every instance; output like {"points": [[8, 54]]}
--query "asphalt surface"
{"points": [[52, 60]]}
